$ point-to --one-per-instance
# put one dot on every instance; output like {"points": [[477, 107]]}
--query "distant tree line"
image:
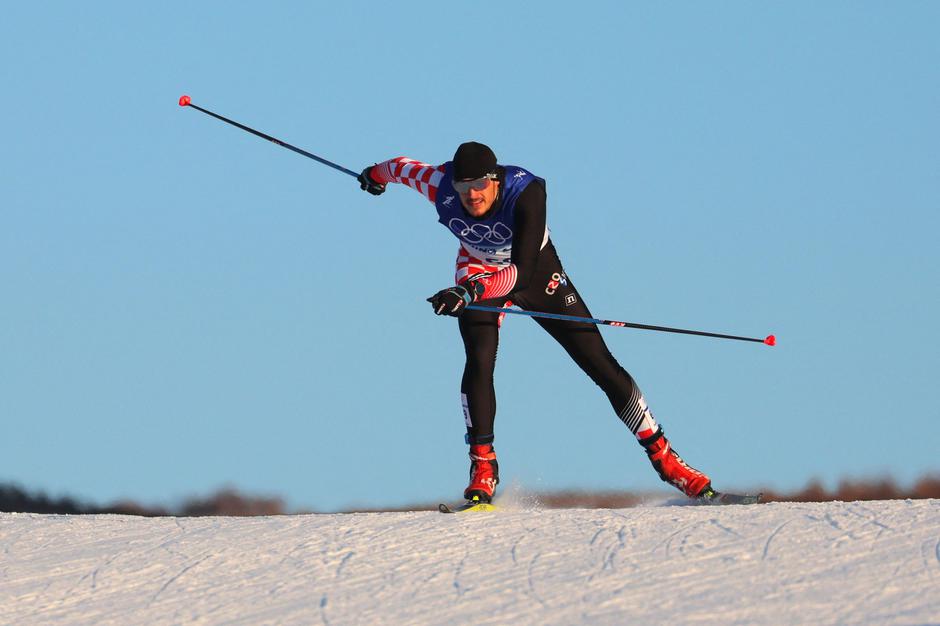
{"points": [[229, 502], [928, 487]]}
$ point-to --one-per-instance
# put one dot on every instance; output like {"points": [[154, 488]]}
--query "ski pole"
{"points": [[770, 340], [185, 101]]}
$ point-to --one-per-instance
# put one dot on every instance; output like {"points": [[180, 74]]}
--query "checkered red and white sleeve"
{"points": [[501, 283], [421, 177], [497, 281]]}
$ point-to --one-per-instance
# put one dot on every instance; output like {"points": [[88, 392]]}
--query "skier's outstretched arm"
{"points": [[422, 177]]}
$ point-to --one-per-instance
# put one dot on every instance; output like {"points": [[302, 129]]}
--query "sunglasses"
{"points": [[477, 184]]}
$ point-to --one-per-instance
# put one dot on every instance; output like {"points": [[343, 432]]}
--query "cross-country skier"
{"points": [[498, 213]]}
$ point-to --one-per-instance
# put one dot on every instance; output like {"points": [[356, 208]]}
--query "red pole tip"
{"points": [[771, 340], [185, 100]]}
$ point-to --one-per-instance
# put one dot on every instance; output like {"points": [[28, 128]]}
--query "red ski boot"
{"points": [[672, 469], [484, 473]]}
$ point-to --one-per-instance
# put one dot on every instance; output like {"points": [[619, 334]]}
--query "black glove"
{"points": [[367, 184], [453, 300]]}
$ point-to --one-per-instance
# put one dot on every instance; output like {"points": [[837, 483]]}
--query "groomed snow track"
{"points": [[829, 563]]}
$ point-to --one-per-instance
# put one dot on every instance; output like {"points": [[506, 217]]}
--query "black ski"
{"points": [[720, 497]]}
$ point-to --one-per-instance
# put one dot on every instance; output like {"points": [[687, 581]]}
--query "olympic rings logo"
{"points": [[497, 234]]}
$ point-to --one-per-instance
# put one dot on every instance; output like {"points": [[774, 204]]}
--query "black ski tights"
{"points": [[549, 290]]}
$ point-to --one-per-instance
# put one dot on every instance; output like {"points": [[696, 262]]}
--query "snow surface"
{"points": [[830, 563]]}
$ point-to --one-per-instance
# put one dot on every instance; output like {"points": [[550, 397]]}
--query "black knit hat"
{"points": [[473, 160]]}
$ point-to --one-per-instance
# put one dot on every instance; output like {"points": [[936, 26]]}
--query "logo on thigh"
{"points": [[557, 280]]}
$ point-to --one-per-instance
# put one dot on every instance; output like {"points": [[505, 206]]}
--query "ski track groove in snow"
{"points": [[771, 538], [531, 579], [778, 563], [176, 577], [457, 572]]}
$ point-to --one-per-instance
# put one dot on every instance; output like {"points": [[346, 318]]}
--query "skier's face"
{"points": [[478, 202]]}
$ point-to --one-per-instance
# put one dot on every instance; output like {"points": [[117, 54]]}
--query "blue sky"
{"points": [[186, 306]]}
